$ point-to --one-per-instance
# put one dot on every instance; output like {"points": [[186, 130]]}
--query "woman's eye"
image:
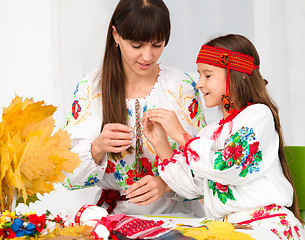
{"points": [[157, 45], [136, 45]]}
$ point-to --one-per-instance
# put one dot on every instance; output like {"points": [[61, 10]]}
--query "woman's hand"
{"points": [[115, 137], [170, 122], [147, 190]]}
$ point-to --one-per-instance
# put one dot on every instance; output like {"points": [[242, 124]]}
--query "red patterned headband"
{"points": [[224, 58], [230, 60]]}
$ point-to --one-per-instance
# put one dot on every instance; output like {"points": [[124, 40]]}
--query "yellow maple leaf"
{"points": [[77, 232], [214, 230], [31, 158], [20, 113]]}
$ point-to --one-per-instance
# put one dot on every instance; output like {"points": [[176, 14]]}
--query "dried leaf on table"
{"points": [[214, 230]]}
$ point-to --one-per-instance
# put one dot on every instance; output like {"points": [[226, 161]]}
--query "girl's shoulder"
{"points": [[256, 115], [257, 109]]}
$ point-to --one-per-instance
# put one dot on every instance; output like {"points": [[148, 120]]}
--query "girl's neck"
{"points": [[234, 112]]}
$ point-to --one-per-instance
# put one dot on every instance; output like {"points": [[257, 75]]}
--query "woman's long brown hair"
{"points": [[136, 20], [252, 88]]}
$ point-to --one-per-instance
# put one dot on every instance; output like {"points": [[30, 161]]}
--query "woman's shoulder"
{"points": [[174, 77], [173, 73], [89, 81]]}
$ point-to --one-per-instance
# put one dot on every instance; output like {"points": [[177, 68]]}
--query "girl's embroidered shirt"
{"points": [[240, 170]]}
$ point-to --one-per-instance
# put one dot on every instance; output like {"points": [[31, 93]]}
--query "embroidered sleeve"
{"points": [[239, 161], [178, 175], [83, 127]]}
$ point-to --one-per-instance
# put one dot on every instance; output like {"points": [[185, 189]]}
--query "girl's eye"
{"points": [[207, 76]]}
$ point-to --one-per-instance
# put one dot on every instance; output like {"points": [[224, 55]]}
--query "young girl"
{"points": [[237, 164]]}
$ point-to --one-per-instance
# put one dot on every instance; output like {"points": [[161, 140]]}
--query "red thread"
{"points": [[229, 119], [263, 217]]}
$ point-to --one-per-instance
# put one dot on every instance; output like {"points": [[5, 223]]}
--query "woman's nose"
{"points": [[147, 53]]}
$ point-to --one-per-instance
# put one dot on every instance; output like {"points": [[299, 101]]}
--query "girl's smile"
{"points": [[212, 84]]}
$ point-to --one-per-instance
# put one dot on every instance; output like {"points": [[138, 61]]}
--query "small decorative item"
{"points": [[228, 105], [31, 157], [30, 226]]}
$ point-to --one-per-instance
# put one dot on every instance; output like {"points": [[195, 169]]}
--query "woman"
{"points": [[104, 119]]}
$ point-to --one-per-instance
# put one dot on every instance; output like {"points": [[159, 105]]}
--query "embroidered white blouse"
{"points": [[173, 90], [239, 171]]}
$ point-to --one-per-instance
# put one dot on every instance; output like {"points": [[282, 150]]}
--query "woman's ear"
{"points": [[115, 35]]}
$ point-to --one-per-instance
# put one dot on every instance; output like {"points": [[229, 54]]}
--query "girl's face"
{"points": [[212, 84], [139, 58]]}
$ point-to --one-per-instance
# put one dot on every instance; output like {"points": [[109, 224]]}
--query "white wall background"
{"points": [[46, 46]]}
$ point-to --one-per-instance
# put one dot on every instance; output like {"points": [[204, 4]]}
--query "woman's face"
{"points": [[212, 84], [139, 58]]}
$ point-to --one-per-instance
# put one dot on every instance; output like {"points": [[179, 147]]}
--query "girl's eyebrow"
{"points": [[205, 70]]}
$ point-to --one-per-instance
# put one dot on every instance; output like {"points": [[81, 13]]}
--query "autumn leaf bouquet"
{"points": [[32, 157]]}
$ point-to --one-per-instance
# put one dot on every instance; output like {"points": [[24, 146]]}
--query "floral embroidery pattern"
{"points": [[283, 228], [189, 112], [78, 114], [126, 176], [144, 108], [193, 108], [242, 151], [223, 191], [76, 109], [129, 112], [91, 181]]}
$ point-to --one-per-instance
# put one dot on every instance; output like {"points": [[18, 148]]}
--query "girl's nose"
{"points": [[200, 83]]}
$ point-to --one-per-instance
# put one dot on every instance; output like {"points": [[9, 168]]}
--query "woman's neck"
{"points": [[137, 86]]}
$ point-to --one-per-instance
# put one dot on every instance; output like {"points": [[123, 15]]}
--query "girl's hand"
{"points": [[147, 190], [115, 137], [170, 122], [153, 131]]}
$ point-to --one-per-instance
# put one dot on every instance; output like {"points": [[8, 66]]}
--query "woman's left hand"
{"points": [[147, 190]]}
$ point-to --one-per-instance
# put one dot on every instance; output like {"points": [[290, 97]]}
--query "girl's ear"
{"points": [[115, 34]]}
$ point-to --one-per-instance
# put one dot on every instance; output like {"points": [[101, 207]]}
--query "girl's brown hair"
{"points": [[136, 20], [252, 88]]}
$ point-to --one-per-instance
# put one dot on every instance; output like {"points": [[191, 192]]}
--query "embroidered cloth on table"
{"points": [[136, 228], [249, 216], [110, 196]]}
